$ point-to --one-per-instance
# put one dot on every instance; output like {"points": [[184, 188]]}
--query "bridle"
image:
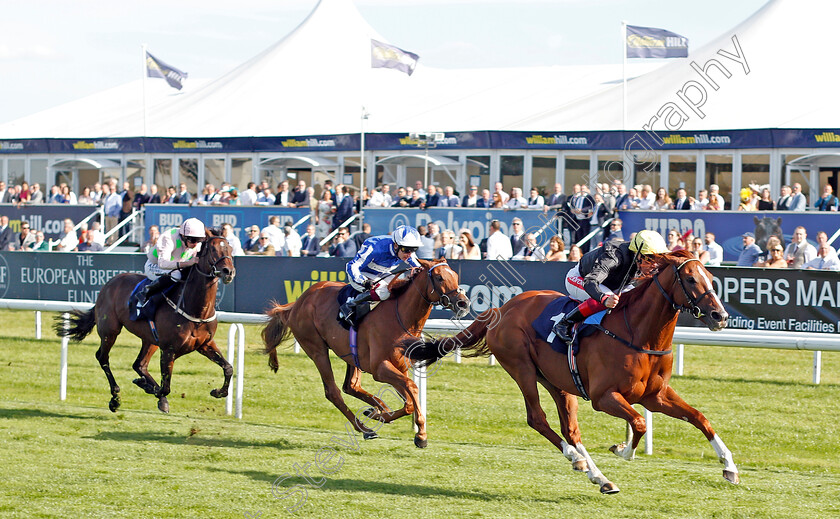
{"points": [[214, 272], [694, 308], [445, 299]]}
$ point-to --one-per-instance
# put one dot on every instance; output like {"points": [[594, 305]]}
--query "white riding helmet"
{"points": [[648, 242], [405, 236], [192, 227]]}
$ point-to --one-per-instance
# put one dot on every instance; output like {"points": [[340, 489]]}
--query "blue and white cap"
{"points": [[406, 236]]}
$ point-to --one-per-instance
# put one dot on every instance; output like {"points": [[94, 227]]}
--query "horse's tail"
{"points": [[276, 331], [81, 324], [470, 338]]}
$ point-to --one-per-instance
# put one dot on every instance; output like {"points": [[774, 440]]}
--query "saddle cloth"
{"points": [[552, 313], [345, 294], [147, 313]]}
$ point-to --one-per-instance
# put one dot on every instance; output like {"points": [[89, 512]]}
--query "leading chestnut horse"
{"points": [[312, 321], [181, 330], [614, 374]]}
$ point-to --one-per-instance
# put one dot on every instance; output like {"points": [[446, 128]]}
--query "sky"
{"points": [[56, 51]]}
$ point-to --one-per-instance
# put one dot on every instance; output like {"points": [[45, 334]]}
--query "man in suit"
{"points": [[344, 246], [183, 197], [360, 237], [581, 206], [682, 203], [7, 237], [484, 201], [433, 200], [622, 199], [516, 242], [471, 199], [798, 201], [344, 208], [309, 242], [5, 196], [449, 199], [783, 204], [300, 196], [36, 196]]}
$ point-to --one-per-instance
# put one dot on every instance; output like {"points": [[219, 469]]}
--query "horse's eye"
{"points": [[691, 281]]}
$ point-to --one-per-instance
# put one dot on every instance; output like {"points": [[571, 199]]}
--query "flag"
{"points": [[383, 55], [157, 68], [648, 42]]}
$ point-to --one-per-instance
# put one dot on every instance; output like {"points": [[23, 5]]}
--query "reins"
{"points": [[445, 299], [214, 273]]}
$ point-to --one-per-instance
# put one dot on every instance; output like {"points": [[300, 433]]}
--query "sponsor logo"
{"points": [[408, 141], [670, 42], [96, 145], [697, 138], [4, 277], [193, 145], [308, 143], [294, 288], [12, 146], [827, 137], [555, 140]]}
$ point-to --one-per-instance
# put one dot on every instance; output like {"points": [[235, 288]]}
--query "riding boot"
{"points": [[563, 327], [159, 285], [349, 308]]}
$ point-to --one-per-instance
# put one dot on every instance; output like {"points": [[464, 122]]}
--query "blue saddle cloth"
{"points": [[553, 312], [147, 313]]}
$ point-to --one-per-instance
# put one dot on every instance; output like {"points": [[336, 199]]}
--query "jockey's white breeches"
{"points": [[153, 271], [381, 287]]}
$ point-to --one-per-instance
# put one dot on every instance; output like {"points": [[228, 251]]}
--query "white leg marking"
{"points": [[724, 455], [593, 473]]}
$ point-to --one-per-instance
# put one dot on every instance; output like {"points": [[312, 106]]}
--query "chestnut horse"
{"points": [[312, 321], [614, 374], [181, 330]]}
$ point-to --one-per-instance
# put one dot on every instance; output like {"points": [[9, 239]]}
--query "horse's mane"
{"points": [[651, 264], [400, 283]]}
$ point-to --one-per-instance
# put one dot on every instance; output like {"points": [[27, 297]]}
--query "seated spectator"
{"points": [[485, 201], [154, 234], [416, 201], [309, 243], [89, 245], [402, 199], [67, 240], [263, 247], [432, 199], [695, 246], [662, 202], [448, 198], [536, 201], [556, 249], [469, 248], [825, 260], [253, 238], [516, 200], [749, 256], [343, 246], [775, 258], [26, 238], [471, 198], [530, 250], [575, 253], [40, 245], [233, 240], [827, 202]]}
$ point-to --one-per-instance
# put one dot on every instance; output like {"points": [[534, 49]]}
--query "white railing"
{"points": [[682, 335]]}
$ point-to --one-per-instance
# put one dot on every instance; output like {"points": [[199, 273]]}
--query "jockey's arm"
{"points": [[354, 267], [593, 282]]}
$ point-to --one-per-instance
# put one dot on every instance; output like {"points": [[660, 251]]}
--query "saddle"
{"points": [[147, 312], [553, 312], [355, 319]]}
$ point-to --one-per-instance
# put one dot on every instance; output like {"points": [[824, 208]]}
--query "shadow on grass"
{"points": [[24, 414], [197, 440], [742, 380], [387, 488]]}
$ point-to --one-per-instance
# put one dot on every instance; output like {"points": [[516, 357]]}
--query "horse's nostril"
{"points": [[716, 316]]}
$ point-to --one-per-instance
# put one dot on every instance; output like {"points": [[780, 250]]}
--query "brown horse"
{"points": [[312, 321], [188, 327], [616, 372]]}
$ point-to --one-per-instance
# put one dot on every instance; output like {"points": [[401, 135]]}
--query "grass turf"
{"points": [[77, 459]]}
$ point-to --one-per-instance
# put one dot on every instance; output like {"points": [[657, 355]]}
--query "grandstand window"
{"points": [[647, 169], [755, 169], [163, 175], [610, 167], [512, 170], [241, 172], [188, 174], [17, 172], [682, 173], [543, 174], [477, 166], [214, 172], [719, 171], [135, 174], [38, 171], [577, 171]]}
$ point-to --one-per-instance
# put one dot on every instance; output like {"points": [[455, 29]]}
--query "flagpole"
{"points": [[145, 110], [364, 116], [624, 75]]}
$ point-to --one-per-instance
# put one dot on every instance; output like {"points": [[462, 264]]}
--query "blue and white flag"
{"points": [[649, 42], [157, 68], [383, 55]]}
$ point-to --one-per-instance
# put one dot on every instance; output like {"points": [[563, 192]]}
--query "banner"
{"points": [[383, 55], [47, 218], [728, 226], [157, 68], [167, 216], [649, 42]]}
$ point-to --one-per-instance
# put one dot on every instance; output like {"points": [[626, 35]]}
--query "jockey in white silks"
{"points": [[176, 249]]}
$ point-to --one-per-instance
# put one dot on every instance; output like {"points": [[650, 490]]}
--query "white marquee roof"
{"points": [[316, 79]]}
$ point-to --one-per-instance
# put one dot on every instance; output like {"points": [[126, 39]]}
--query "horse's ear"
{"points": [[213, 232]]}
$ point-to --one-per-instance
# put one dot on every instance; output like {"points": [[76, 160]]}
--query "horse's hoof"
{"points": [[609, 488], [114, 404], [370, 435], [163, 405], [732, 477], [617, 447], [580, 466], [218, 393], [420, 444]]}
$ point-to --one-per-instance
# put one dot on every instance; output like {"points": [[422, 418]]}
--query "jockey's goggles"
{"points": [[190, 240], [407, 250]]}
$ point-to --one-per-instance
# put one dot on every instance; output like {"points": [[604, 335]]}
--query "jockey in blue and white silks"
{"points": [[369, 271]]}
